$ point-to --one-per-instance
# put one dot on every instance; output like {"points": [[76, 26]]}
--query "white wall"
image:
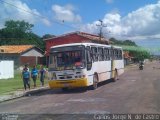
{"points": [[6, 69]]}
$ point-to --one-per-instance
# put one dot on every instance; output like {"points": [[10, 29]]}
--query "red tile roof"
{"points": [[90, 36], [15, 48], [83, 34]]}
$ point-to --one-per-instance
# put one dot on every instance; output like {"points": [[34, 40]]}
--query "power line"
{"points": [[2, 1]]}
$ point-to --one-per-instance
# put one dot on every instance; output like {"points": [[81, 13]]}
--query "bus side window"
{"points": [[95, 54], [108, 54], [100, 54], [89, 58], [116, 54], [105, 53], [92, 49], [112, 54], [120, 54]]}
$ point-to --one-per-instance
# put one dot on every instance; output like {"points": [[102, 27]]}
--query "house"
{"points": [[128, 58], [74, 37], [21, 54]]}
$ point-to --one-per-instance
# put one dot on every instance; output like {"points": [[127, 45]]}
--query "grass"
{"points": [[16, 83]]}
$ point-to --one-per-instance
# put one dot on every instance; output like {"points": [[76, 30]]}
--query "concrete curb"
{"points": [[35, 91], [19, 94], [10, 97]]}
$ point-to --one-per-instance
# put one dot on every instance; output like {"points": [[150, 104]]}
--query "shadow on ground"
{"points": [[66, 91]]}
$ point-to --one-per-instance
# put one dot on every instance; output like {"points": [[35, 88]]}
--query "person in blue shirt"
{"points": [[26, 78], [42, 73], [34, 74]]}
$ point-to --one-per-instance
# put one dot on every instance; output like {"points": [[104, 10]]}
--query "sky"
{"points": [[137, 20]]}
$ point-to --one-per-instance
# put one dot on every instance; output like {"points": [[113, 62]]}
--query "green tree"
{"points": [[20, 26], [140, 55], [129, 43], [121, 42], [19, 33], [115, 41]]}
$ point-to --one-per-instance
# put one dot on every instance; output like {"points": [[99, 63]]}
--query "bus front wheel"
{"points": [[95, 82]]}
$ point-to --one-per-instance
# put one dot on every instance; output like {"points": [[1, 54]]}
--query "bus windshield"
{"points": [[65, 60]]}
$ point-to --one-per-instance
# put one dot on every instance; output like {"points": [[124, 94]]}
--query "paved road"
{"points": [[136, 92]]}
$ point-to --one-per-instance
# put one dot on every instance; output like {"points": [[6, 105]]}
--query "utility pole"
{"points": [[101, 27]]}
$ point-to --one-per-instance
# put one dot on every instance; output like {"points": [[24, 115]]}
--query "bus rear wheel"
{"points": [[95, 82], [113, 79]]}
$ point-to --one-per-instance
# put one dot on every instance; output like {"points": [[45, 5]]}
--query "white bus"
{"points": [[84, 64]]}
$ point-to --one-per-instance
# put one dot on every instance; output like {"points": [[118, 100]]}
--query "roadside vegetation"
{"points": [[20, 33], [135, 51], [10, 85]]}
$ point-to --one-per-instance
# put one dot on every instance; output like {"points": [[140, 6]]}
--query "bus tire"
{"points": [[95, 82], [113, 79]]}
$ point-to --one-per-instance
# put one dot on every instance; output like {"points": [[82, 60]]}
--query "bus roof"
{"points": [[85, 44], [75, 44]]}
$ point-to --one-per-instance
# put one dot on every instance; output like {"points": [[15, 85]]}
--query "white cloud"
{"points": [[8, 12], [46, 22], [66, 13], [141, 23]]}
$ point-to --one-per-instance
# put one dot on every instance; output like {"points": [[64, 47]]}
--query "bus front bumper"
{"points": [[81, 82]]}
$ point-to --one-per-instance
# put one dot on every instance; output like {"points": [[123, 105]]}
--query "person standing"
{"points": [[42, 73], [34, 74], [26, 78]]}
